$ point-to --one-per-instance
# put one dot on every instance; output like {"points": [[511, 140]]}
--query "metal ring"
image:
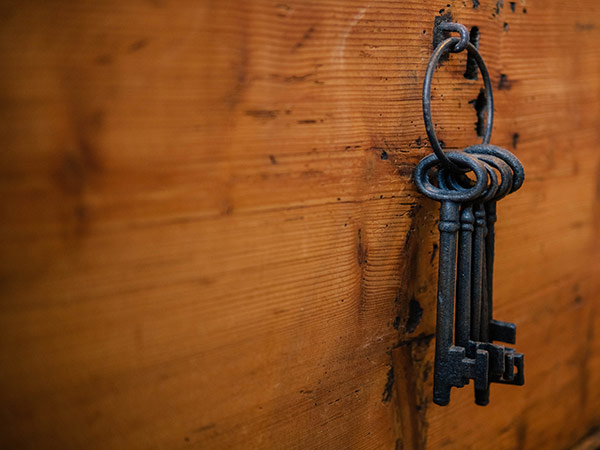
{"points": [[506, 156], [495, 189], [426, 188], [440, 50], [460, 29]]}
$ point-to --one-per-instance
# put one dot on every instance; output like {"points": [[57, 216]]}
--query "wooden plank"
{"points": [[211, 238], [590, 442]]}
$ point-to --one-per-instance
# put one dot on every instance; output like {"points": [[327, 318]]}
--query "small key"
{"points": [[451, 366]]}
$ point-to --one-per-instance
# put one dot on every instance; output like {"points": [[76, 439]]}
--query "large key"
{"points": [[451, 367]]}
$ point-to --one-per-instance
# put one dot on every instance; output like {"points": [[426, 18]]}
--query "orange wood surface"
{"points": [[210, 236]]}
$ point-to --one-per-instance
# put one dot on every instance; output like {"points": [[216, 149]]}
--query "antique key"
{"points": [[468, 208]]}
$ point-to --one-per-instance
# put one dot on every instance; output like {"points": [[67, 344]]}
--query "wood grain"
{"points": [[211, 239]]}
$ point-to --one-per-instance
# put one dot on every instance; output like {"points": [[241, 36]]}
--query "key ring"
{"points": [[437, 193], [446, 180], [450, 45]]}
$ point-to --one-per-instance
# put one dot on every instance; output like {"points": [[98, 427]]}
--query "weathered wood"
{"points": [[211, 238]]}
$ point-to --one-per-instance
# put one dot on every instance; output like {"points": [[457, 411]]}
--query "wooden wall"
{"points": [[210, 237]]}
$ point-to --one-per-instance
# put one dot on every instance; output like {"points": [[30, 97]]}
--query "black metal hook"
{"points": [[460, 29]]}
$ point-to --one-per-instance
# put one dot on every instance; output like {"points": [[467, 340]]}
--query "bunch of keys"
{"points": [[466, 330]]}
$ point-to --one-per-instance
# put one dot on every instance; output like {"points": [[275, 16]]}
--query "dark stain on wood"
{"points": [[504, 83], [204, 428], [412, 399], [389, 386], [396, 323], [434, 252], [305, 37], [240, 69], [472, 69], [521, 434], [479, 104], [584, 363], [415, 312], [262, 113], [499, 6], [515, 140], [584, 26], [104, 59], [361, 250], [439, 35], [138, 45]]}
